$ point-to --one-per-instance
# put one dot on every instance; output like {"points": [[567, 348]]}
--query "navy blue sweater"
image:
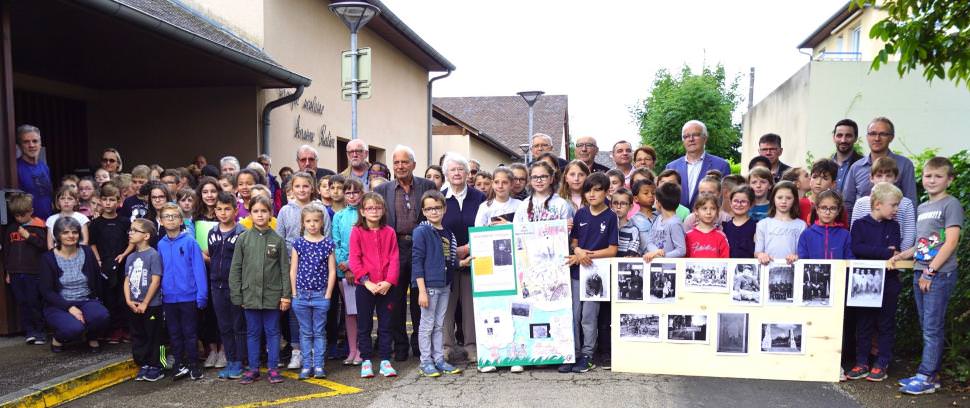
{"points": [[458, 221], [428, 259], [871, 239], [50, 278], [220, 254]]}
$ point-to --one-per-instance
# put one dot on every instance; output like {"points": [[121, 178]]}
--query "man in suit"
{"points": [[696, 162], [403, 201]]}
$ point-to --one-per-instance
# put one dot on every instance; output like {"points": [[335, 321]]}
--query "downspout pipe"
{"points": [[264, 136], [431, 111]]}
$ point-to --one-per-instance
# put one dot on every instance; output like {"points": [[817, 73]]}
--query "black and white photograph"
{"points": [[687, 328], [781, 283], [639, 327], [595, 280], [520, 309], [706, 277], [781, 338], [732, 333], [502, 252], [663, 282], [816, 284], [629, 281], [866, 280], [539, 330], [746, 284]]}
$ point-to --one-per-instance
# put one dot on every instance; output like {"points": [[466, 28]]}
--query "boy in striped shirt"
{"points": [[884, 169]]}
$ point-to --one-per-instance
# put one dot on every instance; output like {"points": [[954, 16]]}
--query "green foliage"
{"points": [[674, 100], [933, 34], [909, 340], [523, 361], [735, 166]]}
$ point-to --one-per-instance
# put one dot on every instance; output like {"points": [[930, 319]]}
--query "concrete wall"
{"points": [[306, 37], [242, 17], [926, 115]]}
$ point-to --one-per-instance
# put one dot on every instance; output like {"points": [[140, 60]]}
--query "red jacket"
{"points": [[712, 244], [374, 254]]}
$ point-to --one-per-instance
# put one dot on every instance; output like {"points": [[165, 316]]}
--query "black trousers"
{"points": [[400, 298], [146, 334]]}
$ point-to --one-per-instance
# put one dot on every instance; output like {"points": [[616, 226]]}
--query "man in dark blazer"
{"points": [[402, 197], [697, 162]]}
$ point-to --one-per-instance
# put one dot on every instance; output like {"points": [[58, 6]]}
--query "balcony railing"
{"points": [[839, 56]]}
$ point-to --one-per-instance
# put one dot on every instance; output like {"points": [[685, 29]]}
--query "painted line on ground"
{"points": [[74, 385], [334, 387]]}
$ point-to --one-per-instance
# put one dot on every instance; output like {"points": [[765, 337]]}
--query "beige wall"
{"points": [[926, 115], [242, 17], [488, 156], [867, 47], [306, 37]]}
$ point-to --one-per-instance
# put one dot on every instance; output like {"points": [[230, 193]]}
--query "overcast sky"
{"points": [[605, 55]]}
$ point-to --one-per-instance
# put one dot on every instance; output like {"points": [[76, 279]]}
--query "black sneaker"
{"points": [[180, 373], [141, 373], [566, 368], [584, 364], [154, 374], [606, 363], [196, 373]]}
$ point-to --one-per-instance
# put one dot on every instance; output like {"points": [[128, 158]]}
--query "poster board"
{"points": [[682, 336], [202, 229], [523, 313]]}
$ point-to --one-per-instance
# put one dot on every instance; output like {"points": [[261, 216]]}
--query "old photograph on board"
{"points": [[629, 281], [816, 283], [732, 333], [785, 338], [663, 282], [866, 281], [706, 276], [595, 281], [687, 328], [745, 284], [781, 283], [639, 327], [502, 252]]}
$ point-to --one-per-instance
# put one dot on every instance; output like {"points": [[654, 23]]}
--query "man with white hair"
{"points": [[402, 197], [696, 162], [358, 167], [542, 143], [32, 173], [306, 160], [229, 165]]}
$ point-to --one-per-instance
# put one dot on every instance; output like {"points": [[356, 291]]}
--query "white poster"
{"points": [[595, 281], [866, 282]]}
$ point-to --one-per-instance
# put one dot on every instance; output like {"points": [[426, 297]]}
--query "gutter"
{"points": [[264, 135], [145, 21], [430, 109]]}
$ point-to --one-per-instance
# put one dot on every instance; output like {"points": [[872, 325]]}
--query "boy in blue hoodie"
{"points": [[877, 236], [230, 317], [434, 260], [184, 291], [827, 238]]}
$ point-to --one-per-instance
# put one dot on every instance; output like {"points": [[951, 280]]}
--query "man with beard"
{"points": [[359, 168], [844, 135]]}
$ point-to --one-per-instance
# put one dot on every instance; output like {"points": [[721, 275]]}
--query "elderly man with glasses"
{"points": [[359, 168], [542, 143], [306, 160], [879, 134], [586, 151], [696, 162]]}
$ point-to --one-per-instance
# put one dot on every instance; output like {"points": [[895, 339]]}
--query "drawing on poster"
{"points": [[539, 330], [687, 328], [746, 284], [595, 281], [629, 281], [785, 338], [866, 281], [502, 252], [493, 272], [639, 327], [542, 267], [494, 327], [705, 276], [663, 282], [781, 283], [732, 333], [520, 309], [816, 284]]}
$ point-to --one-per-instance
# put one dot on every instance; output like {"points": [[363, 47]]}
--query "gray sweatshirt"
{"points": [[668, 234], [288, 223], [777, 238]]}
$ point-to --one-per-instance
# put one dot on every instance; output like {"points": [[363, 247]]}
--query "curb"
{"points": [[73, 385]]}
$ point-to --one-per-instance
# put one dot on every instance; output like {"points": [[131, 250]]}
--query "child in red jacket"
{"points": [[705, 240], [374, 262]]}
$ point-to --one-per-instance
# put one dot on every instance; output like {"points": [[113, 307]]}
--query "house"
{"points": [[837, 83]]}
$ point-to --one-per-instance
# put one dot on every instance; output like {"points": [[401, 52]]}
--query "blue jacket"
{"points": [[220, 254], [711, 162], [871, 239], [825, 242], [183, 271], [428, 261]]}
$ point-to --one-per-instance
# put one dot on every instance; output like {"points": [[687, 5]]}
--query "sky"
{"points": [[605, 55]]}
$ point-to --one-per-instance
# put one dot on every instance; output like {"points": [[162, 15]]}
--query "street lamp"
{"points": [[354, 14], [530, 98]]}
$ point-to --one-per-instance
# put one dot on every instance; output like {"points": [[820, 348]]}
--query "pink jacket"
{"points": [[374, 254]]}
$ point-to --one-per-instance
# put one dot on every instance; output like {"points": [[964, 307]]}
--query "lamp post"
{"points": [[354, 14], [530, 98]]}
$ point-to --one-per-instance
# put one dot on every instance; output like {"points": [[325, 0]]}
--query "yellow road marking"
{"points": [[80, 386], [335, 390]]}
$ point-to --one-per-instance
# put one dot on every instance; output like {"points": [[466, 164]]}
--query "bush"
{"points": [[909, 338]]}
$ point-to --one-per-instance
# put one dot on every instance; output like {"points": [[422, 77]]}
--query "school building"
{"points": [[165, 80]]}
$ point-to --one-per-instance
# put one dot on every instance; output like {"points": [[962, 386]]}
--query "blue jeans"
{"points": [[430, 334], [26, 290], [67, 328], [231, 321], [259, 322], [182, 320], [311, 310], [931, 309]]}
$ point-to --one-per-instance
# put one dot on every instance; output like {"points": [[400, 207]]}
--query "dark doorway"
{"points": [[64, 130]]}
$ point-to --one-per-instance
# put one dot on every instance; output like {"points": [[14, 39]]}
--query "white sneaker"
{"points": [[296, 360], [221, 359], [486, 369], [210, 360], [517, 369]]}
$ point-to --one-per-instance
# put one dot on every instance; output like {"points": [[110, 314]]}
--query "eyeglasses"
{"points": [[352, 192], [372, 209], [692, 136], [740, 202], [519, 179], [108, 160], [881, 135], [171, 217], [543, 177], [769, 149], [585, 145], [132, 231], [155, 197], [433, 210], [542, 146], [360, 151], [379, 173], [620, 203], [828, 209]]}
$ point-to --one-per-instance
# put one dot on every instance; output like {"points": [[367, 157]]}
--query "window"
{"points": [[856, 36]]}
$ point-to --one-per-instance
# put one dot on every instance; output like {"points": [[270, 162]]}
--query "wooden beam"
{"points": [[447, 130]]}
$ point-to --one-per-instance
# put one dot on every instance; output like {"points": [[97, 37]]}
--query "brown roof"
{"points": [[506, 118], [825, 30]]}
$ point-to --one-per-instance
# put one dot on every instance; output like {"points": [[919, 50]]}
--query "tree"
{"points": [[675, 100], [933, 34]]}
